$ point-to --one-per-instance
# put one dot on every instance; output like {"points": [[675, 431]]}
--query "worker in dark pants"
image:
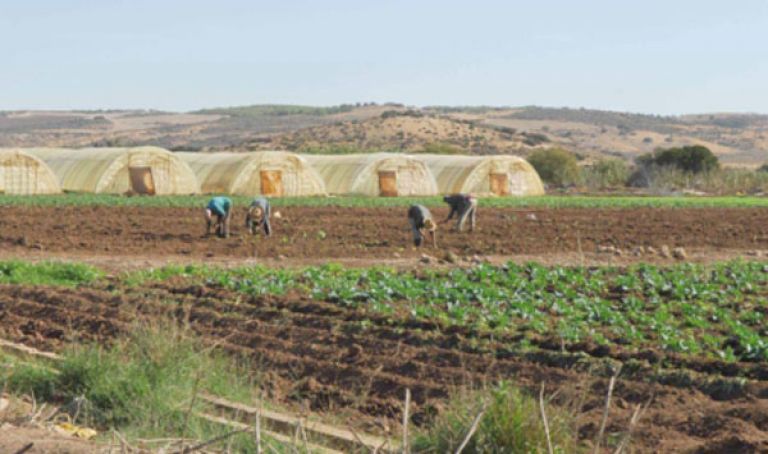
{"points": [[221, 207], [464, 206], [258, 216], [422, 224]]}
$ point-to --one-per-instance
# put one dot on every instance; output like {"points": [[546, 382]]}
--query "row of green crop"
{"points": [[495, 202], [714, 311]]}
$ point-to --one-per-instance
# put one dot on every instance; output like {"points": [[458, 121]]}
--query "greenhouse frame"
{"points": [[138, 170], [24, 174], [489, 175], [375, 174], [268, 173]]}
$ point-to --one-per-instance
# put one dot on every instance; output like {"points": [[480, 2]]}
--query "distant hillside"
{"points": [[740, 139], [411, 131], [204, 129], [278, 110]]}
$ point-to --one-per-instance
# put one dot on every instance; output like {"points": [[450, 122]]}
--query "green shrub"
{"points": [[33, 379], [401, 113], [763, 168], [556, 166], [606, 173], [533, 138], [333, 149], [440, 148], [693, 159], [511, 423]]}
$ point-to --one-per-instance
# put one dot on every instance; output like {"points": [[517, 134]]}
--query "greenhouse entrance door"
{"points": [[271, 182], [142, 181], [499, 183], [388, 183]]}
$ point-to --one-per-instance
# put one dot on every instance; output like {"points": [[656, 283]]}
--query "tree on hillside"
{"points": [[663, 164], [691, 158]]}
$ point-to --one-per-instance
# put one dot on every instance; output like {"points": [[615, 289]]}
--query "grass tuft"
{"points": [[143, 386], [511, 423]]}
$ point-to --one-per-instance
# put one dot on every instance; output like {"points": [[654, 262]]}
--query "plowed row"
{"points": [[343, 362], [304, 233]]}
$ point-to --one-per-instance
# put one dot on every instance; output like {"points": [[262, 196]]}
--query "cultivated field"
{"points": [[688, 341], [369, 236], [562, 293]]}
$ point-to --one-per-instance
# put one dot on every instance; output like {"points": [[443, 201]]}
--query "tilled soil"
{"points": [[378, 233], [356, 366]]}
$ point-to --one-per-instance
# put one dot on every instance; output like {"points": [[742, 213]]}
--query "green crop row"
{"points": [[716, 311], [713, 311], [494, 202]]}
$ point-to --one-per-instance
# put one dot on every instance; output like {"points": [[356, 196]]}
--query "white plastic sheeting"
{"points": [[271, 173], [483, 175], [149, 170], [374, 174], [22, 173]]}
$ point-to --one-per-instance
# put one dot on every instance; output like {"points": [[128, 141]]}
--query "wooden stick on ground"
{"points": [[357, 437], [258, 429], [202, 445], [406, 417], [550, 450], [274, 436], [604, 421], [472, 429], [638, 413], [124, 446], [191, 406], [337, 435], [25, 448]]}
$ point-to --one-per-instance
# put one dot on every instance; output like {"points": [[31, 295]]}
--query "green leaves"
{"points": [[551, 201], [47, 273], [717, 311]]}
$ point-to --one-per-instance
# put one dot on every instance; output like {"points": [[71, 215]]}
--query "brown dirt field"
{"points": [[320, 354], [312, 235]]}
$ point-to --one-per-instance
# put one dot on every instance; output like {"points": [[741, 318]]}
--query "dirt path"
{"points": [[320, 354], [13, 439], [360, 236]]}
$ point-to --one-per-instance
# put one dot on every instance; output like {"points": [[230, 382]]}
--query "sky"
{"points": [[662, 57]]}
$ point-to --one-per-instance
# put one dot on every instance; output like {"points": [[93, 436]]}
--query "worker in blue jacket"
{"points": [[221, 207]]}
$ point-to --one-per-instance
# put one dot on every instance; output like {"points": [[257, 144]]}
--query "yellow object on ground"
{"points": [[86, 433]]}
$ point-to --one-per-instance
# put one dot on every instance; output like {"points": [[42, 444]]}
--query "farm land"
{"points": [[337, 315]]}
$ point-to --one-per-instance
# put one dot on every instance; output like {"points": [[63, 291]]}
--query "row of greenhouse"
{"points": [[153, 170]]}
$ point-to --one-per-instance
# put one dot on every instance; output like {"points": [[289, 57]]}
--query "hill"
{"points": [[738, 139], [409, 131]]}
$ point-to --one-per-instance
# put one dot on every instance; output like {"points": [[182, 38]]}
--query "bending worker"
{"points": [[221, 207], [422, 222], [258, 216], [464, 206]]}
